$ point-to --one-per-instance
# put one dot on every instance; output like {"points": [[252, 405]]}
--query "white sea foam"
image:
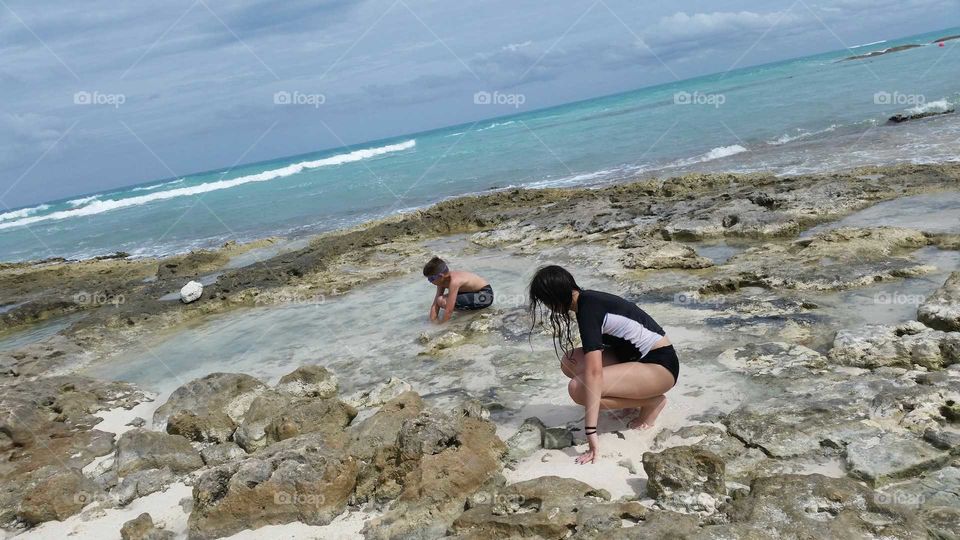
{"points": [[100, 206], [575, 180], [939, 106], [715, 153], [869, 44], [23, 212], [496, 125], [800, 134], [82, 201], [157, 186]]}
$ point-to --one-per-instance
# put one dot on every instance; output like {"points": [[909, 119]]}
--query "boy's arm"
{"points": [[434, 309], [451, 299]]}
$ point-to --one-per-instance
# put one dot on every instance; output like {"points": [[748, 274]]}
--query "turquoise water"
{"points": [[797, 116]]}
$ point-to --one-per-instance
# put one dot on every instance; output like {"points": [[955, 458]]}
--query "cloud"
{"points": [[698, 27], [27, 136]]}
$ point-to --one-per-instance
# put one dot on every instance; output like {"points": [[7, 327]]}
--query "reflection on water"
{"points": [[37, 332], [931, 212]]}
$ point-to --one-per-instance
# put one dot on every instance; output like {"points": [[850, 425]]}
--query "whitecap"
{"points": [[100, 206]]}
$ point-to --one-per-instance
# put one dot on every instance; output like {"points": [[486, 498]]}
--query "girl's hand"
{"points": [[593, 453]]}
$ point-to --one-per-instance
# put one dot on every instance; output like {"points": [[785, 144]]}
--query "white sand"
{"points": [[167, 512], [98, 524], [346, 526], [115, 420]]}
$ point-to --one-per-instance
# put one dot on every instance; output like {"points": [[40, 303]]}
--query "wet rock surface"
{"points": [[942, 310], [874, 405]]}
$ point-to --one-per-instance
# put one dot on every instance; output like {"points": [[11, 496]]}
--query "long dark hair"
{"points": [[551, 290]]}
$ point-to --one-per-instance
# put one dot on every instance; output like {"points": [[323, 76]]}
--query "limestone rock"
{"points": [[57, 496], [379, 394], [143, 483], [142, 528], [191, 292], [547, 507], [215, 395], [527, 440], [449, 468], [557, 438], [904, 345], [309, 381], [772, 358], [433, 345], [644, 253], [685, 477], [383, 428], [816, 506], [942, 310], [219, 454], [274, 417], [213, 426], [303, 479], [890, 456], [139, 450]]}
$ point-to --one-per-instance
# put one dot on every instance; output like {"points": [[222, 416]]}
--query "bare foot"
{"points": [[648, 414]]}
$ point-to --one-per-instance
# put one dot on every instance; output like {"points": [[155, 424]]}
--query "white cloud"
{"points": [[683, 27]]}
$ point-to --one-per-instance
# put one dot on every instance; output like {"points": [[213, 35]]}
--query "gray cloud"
{"points": [[198, 86]]}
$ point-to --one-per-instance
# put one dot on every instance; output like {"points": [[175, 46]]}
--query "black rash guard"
{"points": [[608, 321]]}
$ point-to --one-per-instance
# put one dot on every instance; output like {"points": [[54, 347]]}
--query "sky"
{"points": [[101, 94]]}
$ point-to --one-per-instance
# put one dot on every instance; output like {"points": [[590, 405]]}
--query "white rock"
{"points": [[191, 291]]}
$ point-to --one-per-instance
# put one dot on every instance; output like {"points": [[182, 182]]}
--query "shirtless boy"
{"points": [[456, 290]]}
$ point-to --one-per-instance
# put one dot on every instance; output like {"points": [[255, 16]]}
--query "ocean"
{"points": [[805, 115]]}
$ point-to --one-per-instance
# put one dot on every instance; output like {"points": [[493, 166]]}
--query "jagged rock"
{"points": [[427, 434], [142, 528], [274, 417], [838, 259], [557, 438], [904, 345], [951, 411], [433, 345], [941, 311], [59, 494], [685, 478], [772, 358], [650, 253], [660, 524], [191, 292], [212, 426], [215, 396], [379, 394], [890, 456], [941, 522], [920, 111], [309, 381], [816, 506], [943, 439], [219, 454], [143, 483], [305, 479], [47, 426], [932, 489], [139, 450], [444, 471], [783, 428], [527, 440], [383, 428], [545, 507]]}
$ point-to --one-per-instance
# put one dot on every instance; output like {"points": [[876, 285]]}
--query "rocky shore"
{"points": [[845, 421]]}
